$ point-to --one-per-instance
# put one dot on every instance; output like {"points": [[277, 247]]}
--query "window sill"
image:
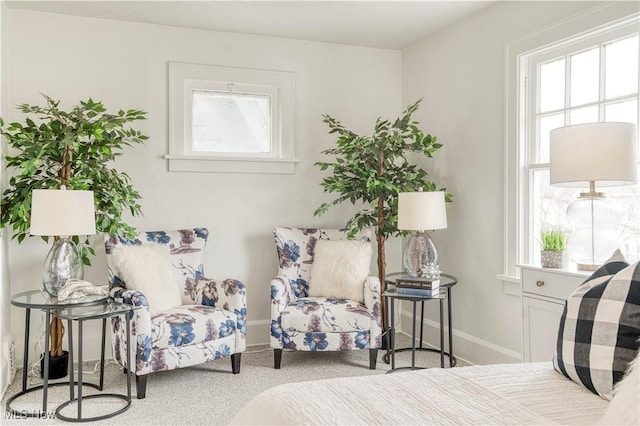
{"points": [[185, 163]]}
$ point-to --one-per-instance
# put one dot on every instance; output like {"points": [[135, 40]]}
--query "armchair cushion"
{"points": [[147, 268], [190, 325], [326, 315], [339, 269]]}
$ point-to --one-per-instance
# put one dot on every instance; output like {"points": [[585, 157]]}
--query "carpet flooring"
{"points": [[206, 394]]}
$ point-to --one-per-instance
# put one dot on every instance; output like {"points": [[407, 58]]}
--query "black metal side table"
{"points": [[446, 283], [39, 299], [80, 315]]}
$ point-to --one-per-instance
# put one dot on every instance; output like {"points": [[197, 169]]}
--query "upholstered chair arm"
{"points": [[280, 295], [372, 293], [141, 328], [372, 301], [129, 297], [230, 295]]}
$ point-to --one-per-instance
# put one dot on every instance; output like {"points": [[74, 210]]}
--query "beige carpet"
{"points": [[208, 394]]}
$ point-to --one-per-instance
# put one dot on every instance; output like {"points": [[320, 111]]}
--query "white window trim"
{"points": [[616, 31], [184, 77], [514, 212]]}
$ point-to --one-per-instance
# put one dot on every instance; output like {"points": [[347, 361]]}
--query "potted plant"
{"points": [[74, 148], [554, 244], [372, 170]]}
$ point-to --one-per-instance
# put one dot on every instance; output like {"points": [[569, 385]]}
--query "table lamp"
{"points": [[421, 212], [580, 156], [62, 213]]}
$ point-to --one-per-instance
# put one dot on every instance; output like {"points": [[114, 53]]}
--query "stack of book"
{"points": [[415, 286]]}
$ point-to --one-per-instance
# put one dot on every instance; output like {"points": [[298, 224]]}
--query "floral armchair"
{"points": [[302, 323], [209, 322]]}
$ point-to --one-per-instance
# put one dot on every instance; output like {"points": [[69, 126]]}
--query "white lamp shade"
{"points": [[60, 212], [421, 211], [602, 152]]}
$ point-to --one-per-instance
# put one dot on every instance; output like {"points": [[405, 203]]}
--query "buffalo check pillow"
{"points": [[600, 326]]}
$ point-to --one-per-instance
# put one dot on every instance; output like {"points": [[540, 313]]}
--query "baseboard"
{"points": [[465, 346]]}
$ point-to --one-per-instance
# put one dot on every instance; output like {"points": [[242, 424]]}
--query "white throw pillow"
{"points": [[624, 408], [339, 269], [147, 268]]}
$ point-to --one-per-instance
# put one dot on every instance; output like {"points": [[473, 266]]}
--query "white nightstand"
{"points": [[544, 291]]}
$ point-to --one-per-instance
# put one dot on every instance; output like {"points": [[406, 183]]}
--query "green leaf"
{"points": [[38, 156], [370, 171]]}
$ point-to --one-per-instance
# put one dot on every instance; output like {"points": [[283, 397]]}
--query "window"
{"points": [[225, 119], [228, 122], [592, 78]]}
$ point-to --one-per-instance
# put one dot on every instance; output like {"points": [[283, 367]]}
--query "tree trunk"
{"points": [[56, 333], [57, 329], [380, 239], [381, 275], [65, 172]]}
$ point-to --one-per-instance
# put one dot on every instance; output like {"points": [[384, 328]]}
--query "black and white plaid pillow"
{"points": [[600, 326]]}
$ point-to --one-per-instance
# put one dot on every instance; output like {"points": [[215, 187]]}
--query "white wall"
{"points": [[125, 66], [460, 72], [5, 325]]}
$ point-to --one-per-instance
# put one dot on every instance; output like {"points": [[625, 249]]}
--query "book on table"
{"points": [[411, 291], [417, 283]]}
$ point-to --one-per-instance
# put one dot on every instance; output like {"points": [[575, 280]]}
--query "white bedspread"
{"points": [[527, 394]]}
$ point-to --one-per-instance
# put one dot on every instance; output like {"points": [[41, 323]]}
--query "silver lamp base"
{"points": [[421, 257], [64, 261]]}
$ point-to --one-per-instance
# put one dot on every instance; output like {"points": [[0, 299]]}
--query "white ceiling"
{"points": [[382, 24]]}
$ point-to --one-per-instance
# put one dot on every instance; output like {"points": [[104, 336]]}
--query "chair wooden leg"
{"points": [[373, 358], [141, 386], [235, 363], [277, 358]]}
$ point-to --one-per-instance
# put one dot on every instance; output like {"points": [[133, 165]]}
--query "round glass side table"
{"points": [[446, 283], [40, 299], [80, 315]]}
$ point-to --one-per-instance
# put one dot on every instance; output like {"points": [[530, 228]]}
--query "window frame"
{"points": [[184, 78], [532, 63], [596, 19]]}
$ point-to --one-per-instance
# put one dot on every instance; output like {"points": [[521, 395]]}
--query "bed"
{"points": [[596, 360], [531, 394]]}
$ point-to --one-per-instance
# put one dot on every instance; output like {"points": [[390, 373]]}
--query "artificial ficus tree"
{"points": [[373, 169], [74, 148]]}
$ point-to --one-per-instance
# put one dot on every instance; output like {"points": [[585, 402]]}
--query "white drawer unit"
{"points": [[544, 292]]}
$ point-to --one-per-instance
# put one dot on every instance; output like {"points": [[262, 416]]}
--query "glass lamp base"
{"points": [[594, 220], [421, 257], [64, 261]]}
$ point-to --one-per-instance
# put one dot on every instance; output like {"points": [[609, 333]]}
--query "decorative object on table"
{"points": [[413, 291], [74, 148], [580, 156], [420, 283], [553, 253], [62, 213], [421, 211], [372, 170], [77, 289]]}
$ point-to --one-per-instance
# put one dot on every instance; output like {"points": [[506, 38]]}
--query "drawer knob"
{"points": [[539, 283]]}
